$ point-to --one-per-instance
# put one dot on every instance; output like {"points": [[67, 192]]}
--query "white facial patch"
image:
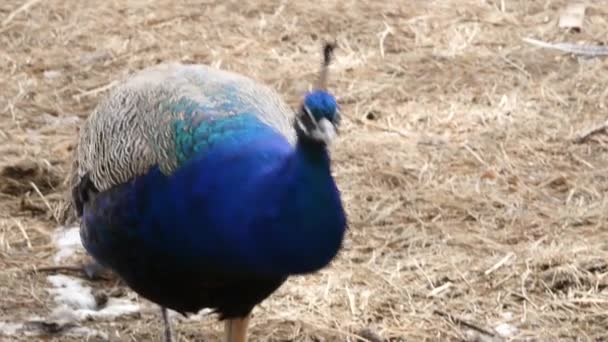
{"points": [[324, 131]]}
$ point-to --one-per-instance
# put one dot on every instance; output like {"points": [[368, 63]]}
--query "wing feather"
{"points": [[133, 128]]}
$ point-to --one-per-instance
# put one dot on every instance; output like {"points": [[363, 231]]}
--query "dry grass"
{"points": [[469, 202]]}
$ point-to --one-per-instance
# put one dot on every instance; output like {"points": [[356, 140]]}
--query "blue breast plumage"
{"points": [[201, 190]]}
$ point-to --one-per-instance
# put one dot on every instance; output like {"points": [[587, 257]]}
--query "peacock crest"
{"points": [[319, 116]]}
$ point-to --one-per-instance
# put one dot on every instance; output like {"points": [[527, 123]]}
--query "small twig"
{"points": [[95, 91], [524, 298], [45, 201], [500, 263], [515, 65], [89, 271], [58, 269], [351, 301], [475, 155], [381, 127], [588, 301], [436, 291], [21, 8], [587, 50], [463, 322], [583, 161], [424, 273], [382, 37], [586, 134], [387, 129], [24, 233]]}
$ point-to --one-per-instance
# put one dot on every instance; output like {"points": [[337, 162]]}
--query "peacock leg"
{"points": [[235, 330], [168, 326]]}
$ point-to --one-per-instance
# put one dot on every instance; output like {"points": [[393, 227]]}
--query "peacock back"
{"points": [[164, 115]]}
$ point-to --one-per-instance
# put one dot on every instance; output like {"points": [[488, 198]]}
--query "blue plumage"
{"points": [[243, 210]]}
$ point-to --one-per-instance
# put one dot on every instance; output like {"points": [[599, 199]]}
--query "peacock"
{"points": [[200, 188]]}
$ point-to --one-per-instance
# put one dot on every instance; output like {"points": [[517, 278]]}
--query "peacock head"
{"points": [[319, 116]]}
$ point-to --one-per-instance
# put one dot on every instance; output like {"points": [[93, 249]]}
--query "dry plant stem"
{"points": [[576, 49], [58, 268], [90, 270], [463, 322], [588, 133], [22, 9]]}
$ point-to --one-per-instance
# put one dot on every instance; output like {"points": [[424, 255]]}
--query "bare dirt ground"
{"points": [[474, 214]]}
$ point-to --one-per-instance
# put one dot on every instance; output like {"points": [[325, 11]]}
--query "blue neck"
{"points": [[281, 204], [306, 230]]}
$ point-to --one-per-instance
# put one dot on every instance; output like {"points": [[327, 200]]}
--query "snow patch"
{"points": [[70, 292], [115, 307], [51, 74], [37, 328], [67, 242], [507, 315], [506, 330], [86, 333], [76, 301], [192, 317], [10, 329]]}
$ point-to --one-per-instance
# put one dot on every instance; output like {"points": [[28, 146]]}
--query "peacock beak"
{"points": [[328, 130]]}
